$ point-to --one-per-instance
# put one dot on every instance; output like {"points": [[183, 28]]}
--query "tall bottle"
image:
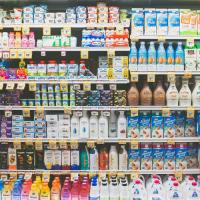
{"points": [[113, 158], [146, 95], [103, 159], [175, 192], [123, 158], [112, 125], [103, 126], [45, 192], [94, 127], [185, 96], [161, 54], [179, 57], [170, 54], [159, 95], [133, 57], [152, 56], [121, 125], [75, 126], [172, 95], [104, 190], [84, 125], [84, 161], [142, 55], [18, 40], [94, 159], [196, 92], [133, 95], [34, 193]]}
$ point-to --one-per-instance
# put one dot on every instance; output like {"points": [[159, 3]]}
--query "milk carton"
{"points": [[192, 161], [158, 156], [190, 127], [145, 125], [181, 156], [146, 156], [169, 157], [169, 126], [194, 23], [133, 127], [134, 158], [185, 15], [157, 125], [162, 21], [180, 124], [173, 22], [150, 21], [137, 22], [190, 58]]}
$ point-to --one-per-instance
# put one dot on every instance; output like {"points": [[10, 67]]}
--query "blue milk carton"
{"points": [[192, 160], [169, 126], [157, 125], [137, 21], [180, 124], [181, 156], [146, 156], [169, 157], [150, 21], [190, 127], [134, 158], [162, 21], [158, 156], [145, 125], [133, 126]]}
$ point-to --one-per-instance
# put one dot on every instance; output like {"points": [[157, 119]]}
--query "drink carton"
{"points": [[162, 21], [169, 157], [173, 21], [137, 22], [150, 21]]}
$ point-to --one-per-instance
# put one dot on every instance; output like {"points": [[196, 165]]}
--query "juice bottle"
{"points": [[152, 56], [34, 192], [75, 190], [142, 54], [6, 192], [84, 160], [133, 57], [55, 191], [161, 54], [170, 54], [179, 57], [103, 159], [65, 192], [25, 41], [25, 191]]}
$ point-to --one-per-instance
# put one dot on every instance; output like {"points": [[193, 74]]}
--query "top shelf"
{"points": [[166, 37]]}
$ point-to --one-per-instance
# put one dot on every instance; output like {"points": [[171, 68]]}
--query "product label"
{"points": [[190, 127], [75, 157], [169, 158], [145, 126], [134, 159], [157, 126], [133, 127], [158, 161], [181, 158], [146, 158], [169, 126], [180, 125]]}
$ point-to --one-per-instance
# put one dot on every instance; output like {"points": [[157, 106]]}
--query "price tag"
{"points": [[63, 145], [134, 77], [40, 111], [91, 144], [28, 176], [106, 114], [1, 27], [91, 174], [166, 112], [102, 175], [179, 175], [119, 30], [122, 142], [125, 73], [134, 144], [79, 113], [20, 53], [17, 28], [99, 87], [6, 55], [63, 87], [10, 86], [38, 145], [29, 143], [67, 110], [113, 87], [43, 53], [74, 144], [134, 112], [25, 30], [52, 145], [134, 38], [67, 31], [100, 141], [21, 85], [17, 144], [13, 54], [187, 75], [4, 177], [190, 112], [151, 77], [1, 85], [171, 141], [45, 177], [84, 54], [161, 39], [47, 30], [63, 53], [190, 42], [32, 87], [77, 87], [74, 176], [28, 54], [171, 77], [111, 53], [86, 86], [26, 112], [135, 175], [119, 175], [94, 113]]}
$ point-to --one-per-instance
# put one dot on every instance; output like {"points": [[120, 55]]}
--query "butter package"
{"points": [[169, 126], [137, 22], [181, 156], [173, 22], [190, 127], [157, 125], [146, 156], [162, 21], [158, 156], [134, 159], [169, 157], [150, 21], [133, 127], [145, 125], [180, 124]]}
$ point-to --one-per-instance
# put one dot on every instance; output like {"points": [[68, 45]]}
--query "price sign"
{"points": [[13, 54], [113, 87], [179, 175], [119, 30], [40, 111], [134, 77], [171, 141], [67, 110], [161, 39], [63, 145], [94, 113], [134, 38], [38, 145], [28, 54], [187, 75], [110, 73], [171, 77], [63, 53], [100, 141], [74, 144], [26, 112], [120, 175], [21, 85], [43, 53], [190, 42], [106, 113], [25, 30], [45, 177], [10, 86], [52, 145], [99, 87], [84, 54], [47, 30], [151, 77], [190, 112], [17, 28], [32, 87], [77, 87], [20, 53], [86, 86], [125, 73], [134, 143], [111, 53], [135, 175], [134, 112], [67, 31], [122, 142], [28, 176], [6, 55], [91, 144], [74, 176], [166, 112], [63, 86], [17, 144]]}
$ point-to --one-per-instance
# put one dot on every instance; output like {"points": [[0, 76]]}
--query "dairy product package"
{"points": [[198, 22], [157, 125], [146, 156], [190, 127], [173, 21], [180, 124], [133, 126], [169, 126], [158, 156], [169, 157], [190, 58], [150, 21], [145, 125], [192, 161], [181, 156], [134, 159], [137, 22], [162, 21]]}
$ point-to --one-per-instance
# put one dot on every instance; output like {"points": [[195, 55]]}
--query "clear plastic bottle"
{"points": [[185, 96], [112, 125], [170, 54], [142, 55], [121, 125], [172, 95], [161, 54], [152, 56], [196, 92], [133, 57], [75, 126], [84, 125], [113, 158], [179, 57], [123, 158]]}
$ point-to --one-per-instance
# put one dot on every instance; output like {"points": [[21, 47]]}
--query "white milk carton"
{"points": [[150, 21], [162, 21], [137, 22], [173, 21]]}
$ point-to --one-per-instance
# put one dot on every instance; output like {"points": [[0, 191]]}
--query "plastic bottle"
{"points": [[84, 193], [124, 191], [133, 57], [121, 125], [6, 192], [103, 126], [172, 95], [193, 192], [112, 125], [146, 95], [103, 159], [161, 54], [65, 192], [34, 193], [55, 191], [84, 125], [104, 190], [18, 41], [84, 159], [196, 92], [114, 191], [159, 95], [142, 55], [75, 126], [75, 190], [94, 190], [113, 158], [25, 41], [179, 57], [11, 40], [170, 54], [94, 159], [133, 95], [185, 96], [1, 188], [156, 191], [5, 40], [94, 127], [152, 57], [123, 158], [45, 192], [31, 41], [75, 163], [137, 191], [175, 192], [25, 191]]}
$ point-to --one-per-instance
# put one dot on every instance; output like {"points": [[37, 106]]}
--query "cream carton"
{"points": [[150, 21], [194, 23], [137, 22], [169, 126], [162, 21], [158, 156], [190, 58], [173, 21]]}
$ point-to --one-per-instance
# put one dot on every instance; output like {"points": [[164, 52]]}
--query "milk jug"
{"points": [[185, 95], [94, 127]]}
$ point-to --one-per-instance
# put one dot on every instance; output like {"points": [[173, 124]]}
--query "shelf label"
{"points": [[187, 75], [32, 87], [74, 144], [25, 30], [79, 113], [1, 85], [6, 55], [166, 112], [67, 110], [1, 27], [94, 113], [40, 111], [134, 38], [10, 86], [161, 39], [63, 53], [77, 87], [113, 87], [87, 86], [17, 28], [46, 177], [190, 112], [102, 175], [1, 54], [13, 54], [179, 175], [8, 111], [125, 73], [63, 87], [151, 77], [100, 141], [111, 53], [74, 176], [21, 85], [171, 141], [122, 142], [134, 77], [84, 54], [52, 145], [20, 53], [38, 145], [28, 54], [119, 174], [135, 175], [106, 113], [26, 112], [190, 42], [119, 30], [63, 144], [134, 112], [43, 53], [67, 31], [171, 77], [46, 30], [90, 144], [110, 73], [99, 86], [17, 143], [28, 176], [134, 143]]}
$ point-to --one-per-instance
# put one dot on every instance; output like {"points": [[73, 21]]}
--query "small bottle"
{"points": [[103, 159], [142, 55], [112, 125], [84, 159], [179, 57], [161, 54], [94, 159], [152, 55], [11, 40], [18, 41], [170, 54], [94, 127], [31, 41]]}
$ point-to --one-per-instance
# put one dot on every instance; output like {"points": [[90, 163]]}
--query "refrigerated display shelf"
{"points": [[164, 37]]}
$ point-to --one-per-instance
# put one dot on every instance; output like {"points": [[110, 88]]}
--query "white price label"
{"points": [[47, 30], [99, 87], [113, 87], [25, 30], [77, 87], [28, 54], [43, 53], [84, 54], [6, 55], [20, 53], [10, 86], [106, 114], [134, 77], [79, 113], [1, 85], [111, 53], [21, 85], [63, 53], [86, 86], [151, 77]]}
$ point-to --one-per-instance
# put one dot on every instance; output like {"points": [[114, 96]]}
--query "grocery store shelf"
{"points": [[52, 49], [69, 81], [97, 108], [108, 140], [167, 37], [167, 72], [71, 25], [103, 172]]}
